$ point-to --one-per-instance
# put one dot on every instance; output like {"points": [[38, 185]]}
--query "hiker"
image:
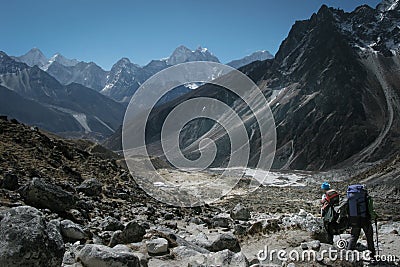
{"points": [[329, 200], [361, 214]]}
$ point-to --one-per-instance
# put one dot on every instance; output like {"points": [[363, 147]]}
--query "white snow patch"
{"points": [[269, 178], [81, 118], [192, 86]]}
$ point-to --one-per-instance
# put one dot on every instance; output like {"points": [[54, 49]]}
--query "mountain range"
{"points": [[125, 77], [75, 98], [333, 87], [33, 96]]}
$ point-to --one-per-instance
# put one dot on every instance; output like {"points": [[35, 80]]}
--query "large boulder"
{"points": [[27, 240], [240, 212], [133, 232], [40, 194], [92, 255], [90, 187]]}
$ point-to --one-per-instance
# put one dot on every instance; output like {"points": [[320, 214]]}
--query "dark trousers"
{"points": [[369, 233], [329, 231]]}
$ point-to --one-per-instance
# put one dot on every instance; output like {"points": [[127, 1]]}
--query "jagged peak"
{"points": [[388, 5], [123, 60]]}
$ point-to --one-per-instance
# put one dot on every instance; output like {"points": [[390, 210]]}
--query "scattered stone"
{"points": [[102, 256], [315, 245], [302, 213], [222, 258], [196, 220], [72, 231], [271, 225], [43, 195], [111, 224], [158, 246], [223, 241], [240, 229], [70, 253], [184, 252], [169, 216], [10, 182], [90, 187], [304, 246], [255, 228], [221, 221], [133, 232], [172, 225], [239, 212], [26, 240]]}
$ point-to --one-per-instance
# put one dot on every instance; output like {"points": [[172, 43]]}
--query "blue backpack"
{"points": [[357, 197]]}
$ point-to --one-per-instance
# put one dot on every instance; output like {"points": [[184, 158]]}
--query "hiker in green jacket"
{"points": [[330, 198]]}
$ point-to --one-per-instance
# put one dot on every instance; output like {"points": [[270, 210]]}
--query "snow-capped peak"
{"points": [[33, 57], [183, 54], [258, 55], [63, 60], [388, 5]]}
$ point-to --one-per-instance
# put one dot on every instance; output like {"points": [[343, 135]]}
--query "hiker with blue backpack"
{"points": [[361, 215], [355, 211]]}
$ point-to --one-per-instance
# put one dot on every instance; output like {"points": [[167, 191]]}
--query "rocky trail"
{"points": [[74, 203]]}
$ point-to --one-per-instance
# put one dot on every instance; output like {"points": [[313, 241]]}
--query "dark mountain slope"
{"points": [[333, 88]]}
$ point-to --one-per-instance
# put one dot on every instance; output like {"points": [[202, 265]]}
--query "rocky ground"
{"points": [[73, 203]]}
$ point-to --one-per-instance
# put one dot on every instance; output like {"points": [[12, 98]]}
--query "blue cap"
{"points": [[325, 186]]}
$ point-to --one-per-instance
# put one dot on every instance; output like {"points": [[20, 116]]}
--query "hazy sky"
{"points": [[105, 31]]}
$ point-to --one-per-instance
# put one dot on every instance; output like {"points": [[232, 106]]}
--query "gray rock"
{"points": [[224, 258], [72, 231], [158, 246], [185, 252], [221, 221], [240, 229], [72, 250], [26, 240], [239, 212], [217, 242], [43, 195], [256, 228], [10, 182], [196, 220], [315, 245], [169, 216], [90, 187], [133, 232], [102, 256], [111, 224]]}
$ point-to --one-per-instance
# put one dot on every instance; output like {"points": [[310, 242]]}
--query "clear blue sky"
{"points": [[105, 31]]}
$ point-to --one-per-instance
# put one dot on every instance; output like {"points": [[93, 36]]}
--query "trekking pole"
{"points": [[377, 240]]}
